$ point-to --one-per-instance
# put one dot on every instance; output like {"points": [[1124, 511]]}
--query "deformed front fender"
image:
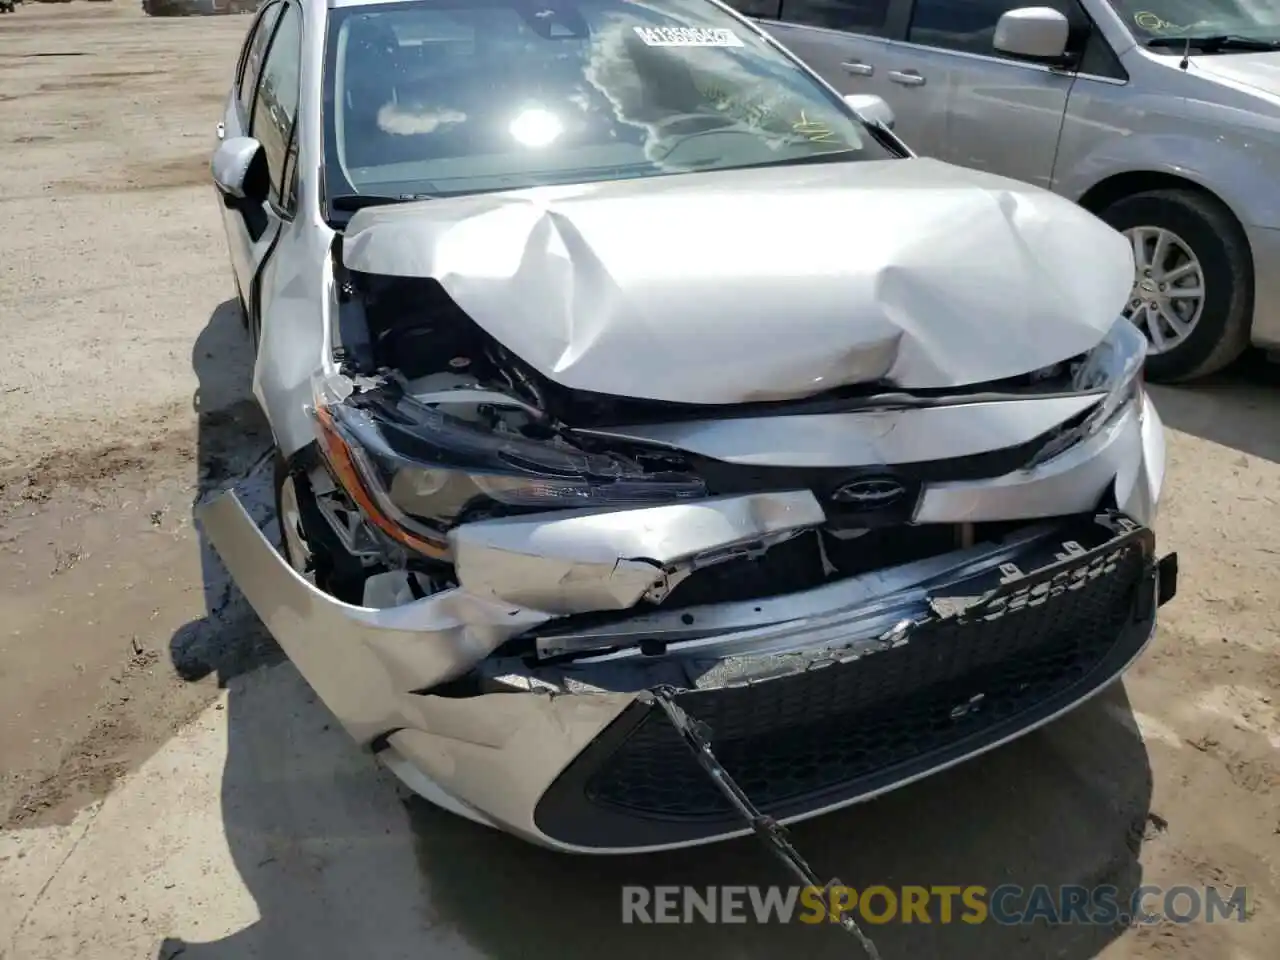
{"points": [[488, 757], [514, 574], [362, 662]]}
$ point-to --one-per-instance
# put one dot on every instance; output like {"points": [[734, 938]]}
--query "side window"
{"points": [[854, 16], [251, 66], [970, 25], [1099, 60], [761, 9], [276, 104], [289, 194]]}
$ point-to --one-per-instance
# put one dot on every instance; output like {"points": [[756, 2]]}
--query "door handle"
{"points": [[858, 68], [907, 78]]}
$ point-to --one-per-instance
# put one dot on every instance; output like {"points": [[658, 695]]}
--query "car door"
{"points": [[848, 43], [271, 122], [235, 123], [996, 113]]}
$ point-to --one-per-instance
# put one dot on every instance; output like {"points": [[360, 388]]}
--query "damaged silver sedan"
{"points": [[607, 351]]}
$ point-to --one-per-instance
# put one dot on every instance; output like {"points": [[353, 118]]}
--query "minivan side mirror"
{"points": [[871, 107], [240, 172], [1037, 33]]}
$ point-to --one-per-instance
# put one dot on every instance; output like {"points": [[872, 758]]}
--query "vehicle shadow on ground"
{"points": [[1237, 408], [342, 864], [233, 445]]}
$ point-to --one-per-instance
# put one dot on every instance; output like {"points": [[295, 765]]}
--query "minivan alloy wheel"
{"points": [[1168, 287]]}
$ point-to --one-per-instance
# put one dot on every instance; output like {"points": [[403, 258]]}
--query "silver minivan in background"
{"points": [[1160, 116]]}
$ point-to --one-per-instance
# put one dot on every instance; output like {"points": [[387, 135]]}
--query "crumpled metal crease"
{"points": [[768, 283], [583, 560]]}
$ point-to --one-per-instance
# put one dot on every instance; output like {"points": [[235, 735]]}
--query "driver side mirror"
{"points": [[871, 108], [1036, 33], [240, 173]]}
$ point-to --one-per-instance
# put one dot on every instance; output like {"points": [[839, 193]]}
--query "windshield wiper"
{"points": [[358, 201], [827, 156], [1212, 44]]}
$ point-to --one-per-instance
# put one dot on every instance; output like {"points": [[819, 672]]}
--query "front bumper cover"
{"points": [[495, 756]]}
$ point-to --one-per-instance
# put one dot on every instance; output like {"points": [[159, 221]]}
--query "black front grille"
{"points": [[811, 739]]}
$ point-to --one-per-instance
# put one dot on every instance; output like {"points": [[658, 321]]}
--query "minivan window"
{"points": [[1255, 19], [970, 25], [442, 97], [1099, 60], [762, 9], [852, 15]]}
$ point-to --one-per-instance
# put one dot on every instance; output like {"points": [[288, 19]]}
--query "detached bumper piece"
{"points": [[999, 654], [773, 834]]}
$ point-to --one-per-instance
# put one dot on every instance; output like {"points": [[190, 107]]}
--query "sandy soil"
{"points": [[126, 376], [130, 669]]}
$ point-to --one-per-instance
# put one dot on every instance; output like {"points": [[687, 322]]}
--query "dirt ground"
{"points": [[168, 785]]}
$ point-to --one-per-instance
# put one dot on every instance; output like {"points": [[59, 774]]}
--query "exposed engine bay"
{"points": [[431, 425], [410, 325]]}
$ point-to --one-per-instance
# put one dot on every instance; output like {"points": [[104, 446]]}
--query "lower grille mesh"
{"points": [[799, 736]]}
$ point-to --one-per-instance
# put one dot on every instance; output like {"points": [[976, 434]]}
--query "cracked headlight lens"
{"points": [[414, 469], [1113, 368], [1114, 365]]}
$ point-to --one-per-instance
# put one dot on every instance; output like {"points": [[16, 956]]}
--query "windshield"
{"points": [[443, 97], [1148, 19]]}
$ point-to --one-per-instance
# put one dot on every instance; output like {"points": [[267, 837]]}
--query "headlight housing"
{"points": [[414, 469], [1114, 369]]}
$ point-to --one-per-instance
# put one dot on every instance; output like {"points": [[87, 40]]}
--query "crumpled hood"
{"points": [[768, 283]]}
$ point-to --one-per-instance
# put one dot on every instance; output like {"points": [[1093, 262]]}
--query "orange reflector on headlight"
{"points": [[342, 461]]}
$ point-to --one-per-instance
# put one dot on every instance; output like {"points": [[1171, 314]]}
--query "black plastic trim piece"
{"points": [[1166, 579]]}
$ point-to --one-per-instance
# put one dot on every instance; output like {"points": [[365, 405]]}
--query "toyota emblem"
{"points": [[869, 492]]}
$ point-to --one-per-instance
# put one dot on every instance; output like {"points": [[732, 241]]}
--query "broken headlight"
{"points": [[1114, 369], [414, 469]]}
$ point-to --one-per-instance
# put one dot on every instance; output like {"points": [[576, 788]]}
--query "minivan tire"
{"points": [[1218, 242]]}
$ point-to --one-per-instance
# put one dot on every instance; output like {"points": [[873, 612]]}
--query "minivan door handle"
{"points": [[907, 78], [858, 68]]}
